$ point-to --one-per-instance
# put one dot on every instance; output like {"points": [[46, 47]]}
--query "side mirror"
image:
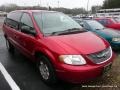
{"points": [[28, 30]]}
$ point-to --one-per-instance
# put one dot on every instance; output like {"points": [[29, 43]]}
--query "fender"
{"points": [[47, 53]]}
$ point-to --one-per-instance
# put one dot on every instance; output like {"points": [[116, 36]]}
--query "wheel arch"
{"points": [[46, 53]]}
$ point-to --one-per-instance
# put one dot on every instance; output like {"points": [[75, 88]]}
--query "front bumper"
{"points": [[81, 74]]}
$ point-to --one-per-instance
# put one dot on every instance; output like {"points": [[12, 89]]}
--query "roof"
{"points": [[103, 18], [31, 11]]}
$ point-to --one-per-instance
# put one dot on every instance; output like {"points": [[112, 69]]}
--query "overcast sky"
{"points": [[54, 3]]}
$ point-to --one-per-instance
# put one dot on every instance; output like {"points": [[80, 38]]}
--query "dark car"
{"points": [[111, 35], [58, 45]]}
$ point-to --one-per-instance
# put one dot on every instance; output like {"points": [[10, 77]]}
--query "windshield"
{"points": [[95, 25], [50, 22], [79, 21], [117, 19]]}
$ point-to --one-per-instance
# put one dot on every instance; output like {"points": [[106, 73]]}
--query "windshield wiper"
{"points": [[58, 32], [76, 30], [100, 28], [72, 30]]}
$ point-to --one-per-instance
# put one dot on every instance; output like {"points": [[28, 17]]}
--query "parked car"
{"points": [[117, 19], [59, 45], [109, 23], [111, 35]]}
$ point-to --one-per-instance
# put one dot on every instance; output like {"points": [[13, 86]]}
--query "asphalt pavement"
{"points": [[3, 83]]}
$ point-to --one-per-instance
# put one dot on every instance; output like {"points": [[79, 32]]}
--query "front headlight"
{"points": [[72, 59], [116, 39]]}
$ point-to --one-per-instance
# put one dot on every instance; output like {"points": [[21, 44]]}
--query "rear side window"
{"points": [[12, 20], [27, 22], [109, 22]]}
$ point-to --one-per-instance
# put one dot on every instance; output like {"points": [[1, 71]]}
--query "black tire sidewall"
{"points": [[9, 46], [52, 77]]}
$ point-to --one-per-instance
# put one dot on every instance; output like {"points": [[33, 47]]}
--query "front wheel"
{"points": [[46, 70], [9, 46]]}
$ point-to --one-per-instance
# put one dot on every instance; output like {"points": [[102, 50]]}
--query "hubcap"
{"points": [[44, 70]]}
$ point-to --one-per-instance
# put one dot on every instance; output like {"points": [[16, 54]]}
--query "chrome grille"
{"points": [[101, 56]]}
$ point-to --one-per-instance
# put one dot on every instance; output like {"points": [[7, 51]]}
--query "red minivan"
{"points": [[59, 46]]}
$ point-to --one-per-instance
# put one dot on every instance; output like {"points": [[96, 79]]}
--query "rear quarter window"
{"points": [[15, 16], [12, 20]]}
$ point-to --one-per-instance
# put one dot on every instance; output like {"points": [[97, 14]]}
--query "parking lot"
{"points": [[26, 76]]}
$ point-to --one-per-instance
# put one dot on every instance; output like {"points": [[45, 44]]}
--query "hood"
{"points": [[118, 24], [108, 33], [82, 43], [115, 26], [111, 32]]}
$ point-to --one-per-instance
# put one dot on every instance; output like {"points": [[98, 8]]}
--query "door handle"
{"points": [[15, 36]]}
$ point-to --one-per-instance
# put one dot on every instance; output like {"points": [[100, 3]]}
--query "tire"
{"points": [[47, 71], [9, 46]]}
